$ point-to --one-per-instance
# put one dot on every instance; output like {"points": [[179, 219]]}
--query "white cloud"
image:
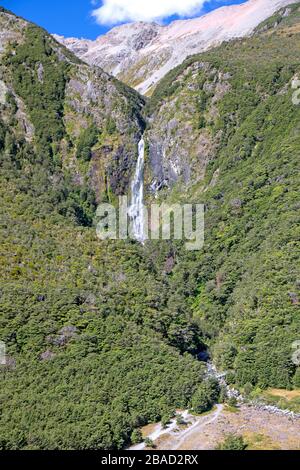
{"points": [[118, 11]]}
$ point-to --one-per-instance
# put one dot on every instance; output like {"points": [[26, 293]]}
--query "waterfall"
{"points": [[136, 209]]}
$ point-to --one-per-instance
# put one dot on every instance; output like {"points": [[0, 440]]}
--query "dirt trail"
{"points": [[197, 427], [260, 428], [177, 435], [159, 431], [263, 427]]}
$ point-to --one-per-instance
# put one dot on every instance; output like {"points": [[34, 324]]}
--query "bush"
{"points": [[232, 442], [88, 138], [248, 389], [223, 395], [111, 126], [165, 421], [230, 378], [149, 443], [180, 421], [296, 380], [136, 437], [232, 401]]}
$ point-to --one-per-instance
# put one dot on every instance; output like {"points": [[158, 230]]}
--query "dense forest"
{"points": [[94, 341], [103, 337]]}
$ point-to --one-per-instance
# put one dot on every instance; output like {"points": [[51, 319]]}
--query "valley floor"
{"points": [[261, 430]]}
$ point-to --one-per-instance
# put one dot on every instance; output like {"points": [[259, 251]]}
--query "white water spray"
{"points": [[136, 210]]}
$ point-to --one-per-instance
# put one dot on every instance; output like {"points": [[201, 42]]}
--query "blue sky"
{"points": [[74, 17]]}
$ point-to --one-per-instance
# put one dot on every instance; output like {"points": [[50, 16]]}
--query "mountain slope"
{"points": [[102, 337], [224, 131], [91, 348], [91, 118], [140, 54]]}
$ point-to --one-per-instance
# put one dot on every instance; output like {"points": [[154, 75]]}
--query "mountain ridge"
{"points": [[140, 54]]}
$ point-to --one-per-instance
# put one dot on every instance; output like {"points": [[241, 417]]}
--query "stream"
{"points": [[233, 393], [173, 437]]}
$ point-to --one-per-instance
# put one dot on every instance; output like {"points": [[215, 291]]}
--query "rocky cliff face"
{"points": [[140, 54], [181, 141]]}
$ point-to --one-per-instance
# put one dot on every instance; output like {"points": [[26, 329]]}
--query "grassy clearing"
{"points": [[285, 399], [288, 395], [231, 409], [257, 441]]}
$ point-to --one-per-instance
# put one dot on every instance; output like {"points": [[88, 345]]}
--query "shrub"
{"points": [[232, 401], [165, 421], [296, 379], [248, 389], [232, 442], [180, 421], [149, 443], [136, 437], [88, 138]]}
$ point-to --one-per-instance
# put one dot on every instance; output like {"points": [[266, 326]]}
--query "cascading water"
{"points": [[136, 209]]}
